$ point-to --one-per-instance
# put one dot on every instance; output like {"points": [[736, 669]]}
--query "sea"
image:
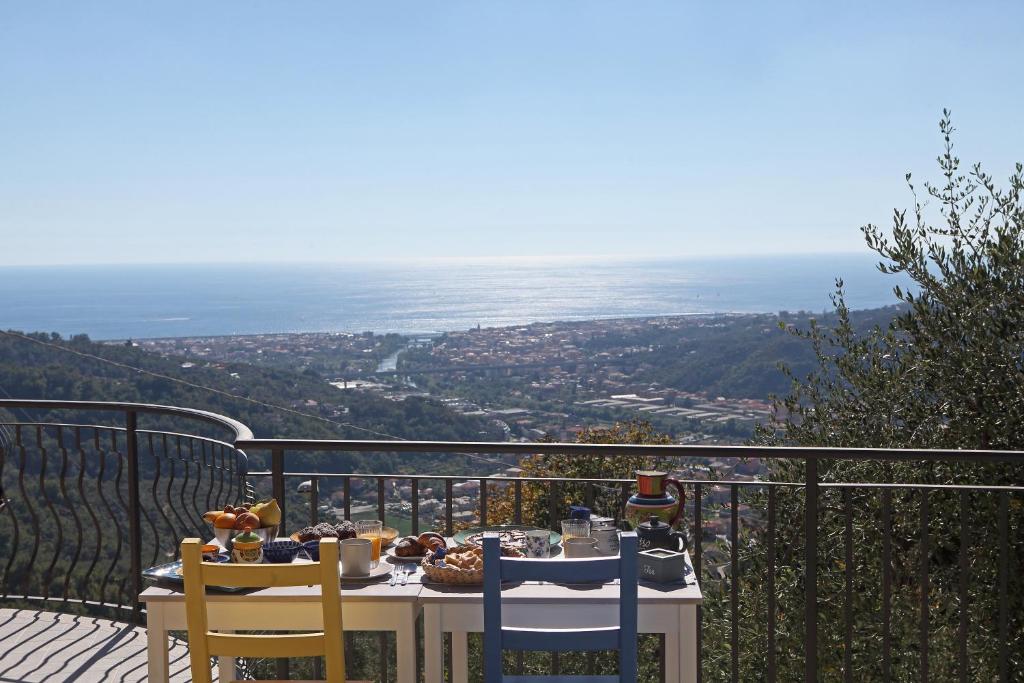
{"points": [[418, 298]]}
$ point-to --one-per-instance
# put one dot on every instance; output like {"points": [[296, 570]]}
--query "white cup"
{"points": [[355, 557], [538, 543]]}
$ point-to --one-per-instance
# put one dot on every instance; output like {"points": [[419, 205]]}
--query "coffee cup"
{"points": [[538, 543], [355, 556], [580, 546]]}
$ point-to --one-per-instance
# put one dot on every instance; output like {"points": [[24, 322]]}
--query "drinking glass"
{"points": [[371, 529], [575, 528]]}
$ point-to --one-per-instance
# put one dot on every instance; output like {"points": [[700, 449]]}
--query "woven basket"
{"points": [[455, 575]]}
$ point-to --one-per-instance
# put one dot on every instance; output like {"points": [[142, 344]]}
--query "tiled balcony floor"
{"points": [[47, 646]]}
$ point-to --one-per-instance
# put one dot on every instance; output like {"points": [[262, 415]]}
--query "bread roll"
{"points": [[409, 547], [429, 539]]}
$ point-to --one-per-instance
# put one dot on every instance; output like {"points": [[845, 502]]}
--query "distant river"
{"points": [[116, 302]]}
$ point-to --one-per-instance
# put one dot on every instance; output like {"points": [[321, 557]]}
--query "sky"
{"points": [[258, 131]]}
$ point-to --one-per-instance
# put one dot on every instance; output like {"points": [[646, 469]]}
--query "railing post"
{"points": [[314, 502], [134, 513], [811, 572], [277, 482]]}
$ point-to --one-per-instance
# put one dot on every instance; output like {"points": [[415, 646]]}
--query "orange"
{"points": [[225, 521]]}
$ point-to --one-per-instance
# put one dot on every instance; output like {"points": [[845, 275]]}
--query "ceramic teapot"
{"points": [[655, 533], [652, 498]]}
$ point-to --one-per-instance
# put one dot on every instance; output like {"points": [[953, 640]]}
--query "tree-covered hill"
{"points": [[737, 356], [48, 367]]}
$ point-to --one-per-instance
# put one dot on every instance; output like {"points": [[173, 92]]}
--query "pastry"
{"points": [[430, 539], [345, 530], [341, 531], [409, 547]]}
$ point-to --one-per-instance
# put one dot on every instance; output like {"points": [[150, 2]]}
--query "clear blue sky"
{"points": [[255, 131]]}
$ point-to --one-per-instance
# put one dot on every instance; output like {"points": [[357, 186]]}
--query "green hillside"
{"points": [[60, 371]]}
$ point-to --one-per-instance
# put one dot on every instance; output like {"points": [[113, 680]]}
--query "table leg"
{"points": [[433, 644], [460, 657], [157, 647], [225, 665], [405, 647], [687, 649], [673, 641]]}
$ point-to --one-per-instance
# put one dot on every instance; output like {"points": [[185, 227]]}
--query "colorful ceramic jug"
{"points": [[652, 500]]}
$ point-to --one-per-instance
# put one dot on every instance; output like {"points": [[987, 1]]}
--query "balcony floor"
{"points": [[47, 646]]}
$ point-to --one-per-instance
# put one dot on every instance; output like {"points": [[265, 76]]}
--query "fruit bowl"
{"points": [[263, 518], [225, 537]]}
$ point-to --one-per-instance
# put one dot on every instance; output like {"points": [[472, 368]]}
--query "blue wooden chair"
{"points": [[622, 638]]}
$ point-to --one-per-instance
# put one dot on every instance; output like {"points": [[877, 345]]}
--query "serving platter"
{"points": [[512, 535], [171, 573]]}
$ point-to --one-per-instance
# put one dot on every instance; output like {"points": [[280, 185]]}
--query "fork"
{"points": [[406, 570]]}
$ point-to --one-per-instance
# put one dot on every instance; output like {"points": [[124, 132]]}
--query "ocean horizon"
{"points": [[416, 298]]}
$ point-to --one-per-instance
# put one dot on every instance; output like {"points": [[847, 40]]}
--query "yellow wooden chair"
{"points": [[204, 643]]}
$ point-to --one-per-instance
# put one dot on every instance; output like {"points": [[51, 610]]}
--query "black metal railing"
{"points": [[84, 508], [737, 537], [818, 497]]}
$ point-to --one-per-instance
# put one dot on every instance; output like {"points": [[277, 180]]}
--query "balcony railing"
{"points": [[84, 507]]}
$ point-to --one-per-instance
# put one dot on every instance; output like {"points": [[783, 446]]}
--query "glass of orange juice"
{"points": [[372, 530]]}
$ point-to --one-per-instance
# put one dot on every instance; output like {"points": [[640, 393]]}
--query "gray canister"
{"points": [[661, 565], [607, 540]]}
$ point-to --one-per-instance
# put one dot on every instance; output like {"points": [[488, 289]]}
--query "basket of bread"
{"points": [[460, 565]]}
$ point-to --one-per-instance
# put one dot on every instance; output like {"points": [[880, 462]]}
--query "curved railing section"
{"points": [[84, 508]]}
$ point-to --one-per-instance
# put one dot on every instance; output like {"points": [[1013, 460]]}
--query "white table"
{"points": [[364, 607], [671, 610]]}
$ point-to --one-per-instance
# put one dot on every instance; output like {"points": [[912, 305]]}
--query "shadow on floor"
{"points": [[37, 647]]}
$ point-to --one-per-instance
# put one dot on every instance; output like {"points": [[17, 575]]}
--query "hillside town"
{"points": [[533, 382]]}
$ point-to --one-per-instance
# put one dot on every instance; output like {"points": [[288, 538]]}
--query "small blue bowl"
{"points": [[313, 549], [281, 552]]}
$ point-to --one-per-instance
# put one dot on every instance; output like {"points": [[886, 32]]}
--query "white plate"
{"points": [[398, 558], [380, 571]]}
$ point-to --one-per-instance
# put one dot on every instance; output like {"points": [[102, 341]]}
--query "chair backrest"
{"points": [[622, 638], [204, 643]]}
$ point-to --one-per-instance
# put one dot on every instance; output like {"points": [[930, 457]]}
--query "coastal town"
{"points": [[540, 380], [537, 381]]}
